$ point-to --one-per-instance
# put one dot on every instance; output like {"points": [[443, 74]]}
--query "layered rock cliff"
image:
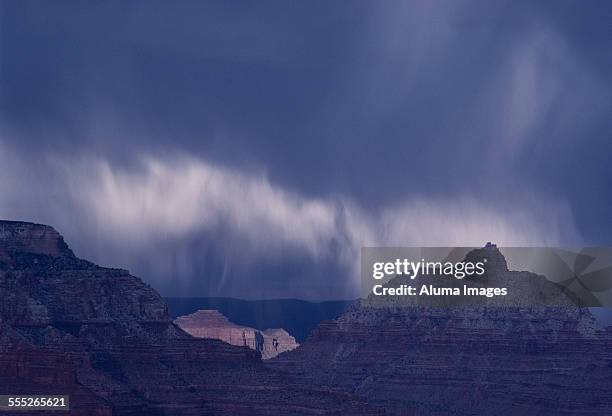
{"points": [[212, 324], [427, 360], [104, 337]]}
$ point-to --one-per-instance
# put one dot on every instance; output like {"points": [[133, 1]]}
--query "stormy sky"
{"points": [[249, 149]]}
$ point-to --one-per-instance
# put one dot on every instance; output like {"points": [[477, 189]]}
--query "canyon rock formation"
{"points": [[212, 324], [427, 360], [68, 326]]}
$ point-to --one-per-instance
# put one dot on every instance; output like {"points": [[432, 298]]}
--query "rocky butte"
{"points": [[421, 358], [68, 326], [212, 324]]}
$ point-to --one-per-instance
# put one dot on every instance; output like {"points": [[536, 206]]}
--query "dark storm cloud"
{"points": [[218, 147]]}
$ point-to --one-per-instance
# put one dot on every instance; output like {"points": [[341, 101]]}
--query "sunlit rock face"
{"points": [[212, 324], [424, 360], [105, 337]]}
